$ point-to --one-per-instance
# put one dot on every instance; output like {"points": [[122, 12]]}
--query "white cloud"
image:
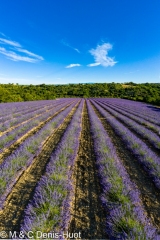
{"points": [[73, 65], [100, 54], [93, 64], [13, 47], [9, 42]]}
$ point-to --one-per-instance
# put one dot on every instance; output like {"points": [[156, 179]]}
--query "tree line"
{"points": [[146, 92]]}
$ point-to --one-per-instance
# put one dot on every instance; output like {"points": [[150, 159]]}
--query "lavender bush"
{"points": [[146, 122], [50, 208], [140, 110], [142, 131], [23, 117], [125, 218], [10, 137], [148, 159], [16, 163]]}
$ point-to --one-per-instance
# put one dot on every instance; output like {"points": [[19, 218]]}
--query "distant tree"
{"points": [[147, 92]]}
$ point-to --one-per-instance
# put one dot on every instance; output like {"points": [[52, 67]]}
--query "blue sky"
{"points": [[78, 41]]}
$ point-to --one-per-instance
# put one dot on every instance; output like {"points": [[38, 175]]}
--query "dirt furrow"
{"points": [[149, 194], [7, 151], [22, 192], [87, 214]]}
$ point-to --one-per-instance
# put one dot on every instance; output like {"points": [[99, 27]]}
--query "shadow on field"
{"points": [[156, 109]]}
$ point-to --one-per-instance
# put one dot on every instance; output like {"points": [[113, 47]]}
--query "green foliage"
{"points": [[147, 92]]}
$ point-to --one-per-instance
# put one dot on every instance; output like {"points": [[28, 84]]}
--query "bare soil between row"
{"points": [[12, 214], [87, 214], [149, 194]]}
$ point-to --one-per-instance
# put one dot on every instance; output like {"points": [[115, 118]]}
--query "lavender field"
{"points": [[89, 168]]}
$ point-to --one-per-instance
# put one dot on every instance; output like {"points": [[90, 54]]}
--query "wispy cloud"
{"points": [[76, 49], [9, 42], [68, 45], [29, 53], [2, 34], [13, 49], [100, 54], [15, 57], [73, 65]]}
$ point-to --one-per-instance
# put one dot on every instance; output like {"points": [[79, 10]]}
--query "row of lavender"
{"points": [[125, 216], [17, 107], [147, 111], [50, 208], [126, 118], [10, 137], [13, 121], [147, 115], [14, 165], [147, 158], [147, 122], [24, 116]]}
